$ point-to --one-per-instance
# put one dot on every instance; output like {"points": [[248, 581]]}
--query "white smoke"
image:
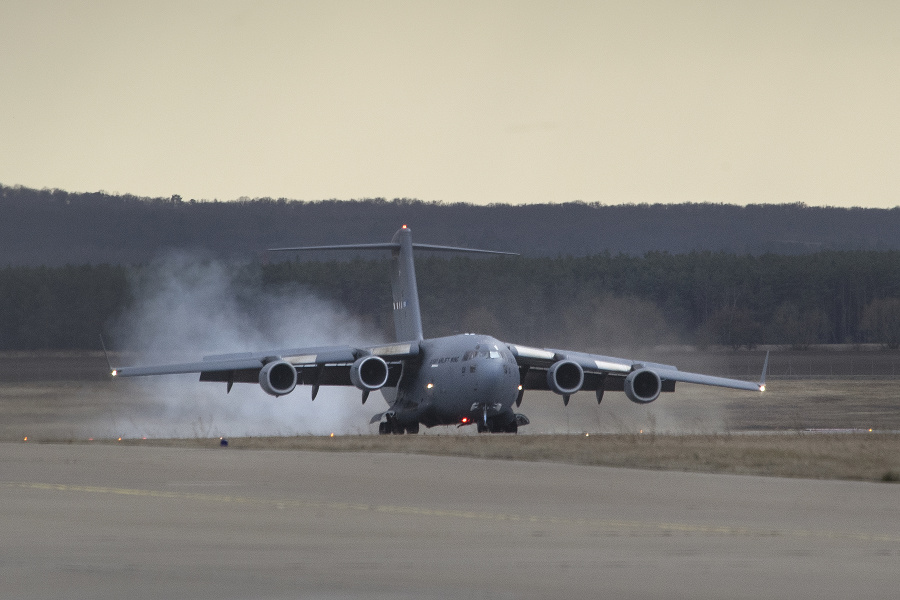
{"points": [[186, 308], [690, 410]]}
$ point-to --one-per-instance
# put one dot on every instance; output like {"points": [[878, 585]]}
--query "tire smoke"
{"points": [[185, 308]]}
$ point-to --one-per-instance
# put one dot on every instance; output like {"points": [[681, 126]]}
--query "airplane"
{"points": [[455, 380]]}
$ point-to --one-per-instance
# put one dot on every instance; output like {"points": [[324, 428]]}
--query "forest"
{"points": [[55, 227], [603, 302], [590, 276]]}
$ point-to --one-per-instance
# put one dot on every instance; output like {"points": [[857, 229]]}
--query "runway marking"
{"points": [[603, 524]]}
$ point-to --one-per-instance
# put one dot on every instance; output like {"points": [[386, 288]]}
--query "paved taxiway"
{"points": [[98, 522]]}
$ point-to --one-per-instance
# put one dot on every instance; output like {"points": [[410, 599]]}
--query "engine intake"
{"points": [[278, 378], [369, 373], [565, 377], [643, 386]]}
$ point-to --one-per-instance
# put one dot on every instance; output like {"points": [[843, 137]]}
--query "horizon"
{"points": [[443, 202]]}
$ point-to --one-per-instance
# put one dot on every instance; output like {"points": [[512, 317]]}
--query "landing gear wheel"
{"points": [[493, 426], [391, 426]]}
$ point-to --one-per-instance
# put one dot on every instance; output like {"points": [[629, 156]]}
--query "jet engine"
{"points": [[278, 378], [643, 386], [369, 373], [565, 377]]}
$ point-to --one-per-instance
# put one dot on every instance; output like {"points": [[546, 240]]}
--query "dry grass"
{"points": [[853, 456]]}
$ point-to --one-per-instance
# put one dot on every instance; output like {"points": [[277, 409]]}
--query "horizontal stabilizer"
{"points": [[393, 246]]}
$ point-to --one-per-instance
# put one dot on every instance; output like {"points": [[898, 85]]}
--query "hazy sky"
{"points": [[460, 101]]}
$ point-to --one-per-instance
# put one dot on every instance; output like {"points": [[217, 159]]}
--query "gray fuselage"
{"points": [[458, 380]]}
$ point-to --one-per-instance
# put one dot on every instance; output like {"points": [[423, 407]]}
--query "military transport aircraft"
{"points": [[456, 380]]}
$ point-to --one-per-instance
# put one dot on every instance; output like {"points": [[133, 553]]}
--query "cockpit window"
{"points": [[481, 354]]}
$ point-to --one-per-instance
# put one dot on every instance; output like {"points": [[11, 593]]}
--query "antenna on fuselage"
{"points": [[407, 315]]}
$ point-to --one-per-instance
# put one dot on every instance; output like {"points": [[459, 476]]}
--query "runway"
{"points": [[85, 521]]}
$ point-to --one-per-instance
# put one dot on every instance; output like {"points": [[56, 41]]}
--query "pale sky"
{"points": [[460, 101]]}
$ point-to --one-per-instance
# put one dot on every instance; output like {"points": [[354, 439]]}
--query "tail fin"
{"points": [[407, 316]]}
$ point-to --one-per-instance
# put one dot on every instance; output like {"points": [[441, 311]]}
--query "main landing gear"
{"points": [[499, 423], [395, 427], [494, 427]]}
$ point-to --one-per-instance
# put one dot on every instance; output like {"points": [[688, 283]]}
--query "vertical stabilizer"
{"points": [[407, 316]]}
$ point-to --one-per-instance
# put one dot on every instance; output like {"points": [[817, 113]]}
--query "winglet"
{"points": [[112, 371], [762, 379]]}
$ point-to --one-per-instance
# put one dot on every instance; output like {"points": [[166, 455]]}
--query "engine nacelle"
{"points": [[565, 377], [643, 386], [278, 378], [369, 373]]}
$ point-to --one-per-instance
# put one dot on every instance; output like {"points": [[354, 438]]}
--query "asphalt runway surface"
{"points": [[107, 521]]}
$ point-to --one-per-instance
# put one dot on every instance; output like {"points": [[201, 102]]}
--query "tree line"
{"points": [[99, 228], [604, 302]]}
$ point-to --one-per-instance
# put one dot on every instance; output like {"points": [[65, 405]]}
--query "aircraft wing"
{"points": [[551, 369], [325, 365]]}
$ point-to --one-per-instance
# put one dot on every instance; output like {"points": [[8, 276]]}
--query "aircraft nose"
{"points": [[497, 383]]}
